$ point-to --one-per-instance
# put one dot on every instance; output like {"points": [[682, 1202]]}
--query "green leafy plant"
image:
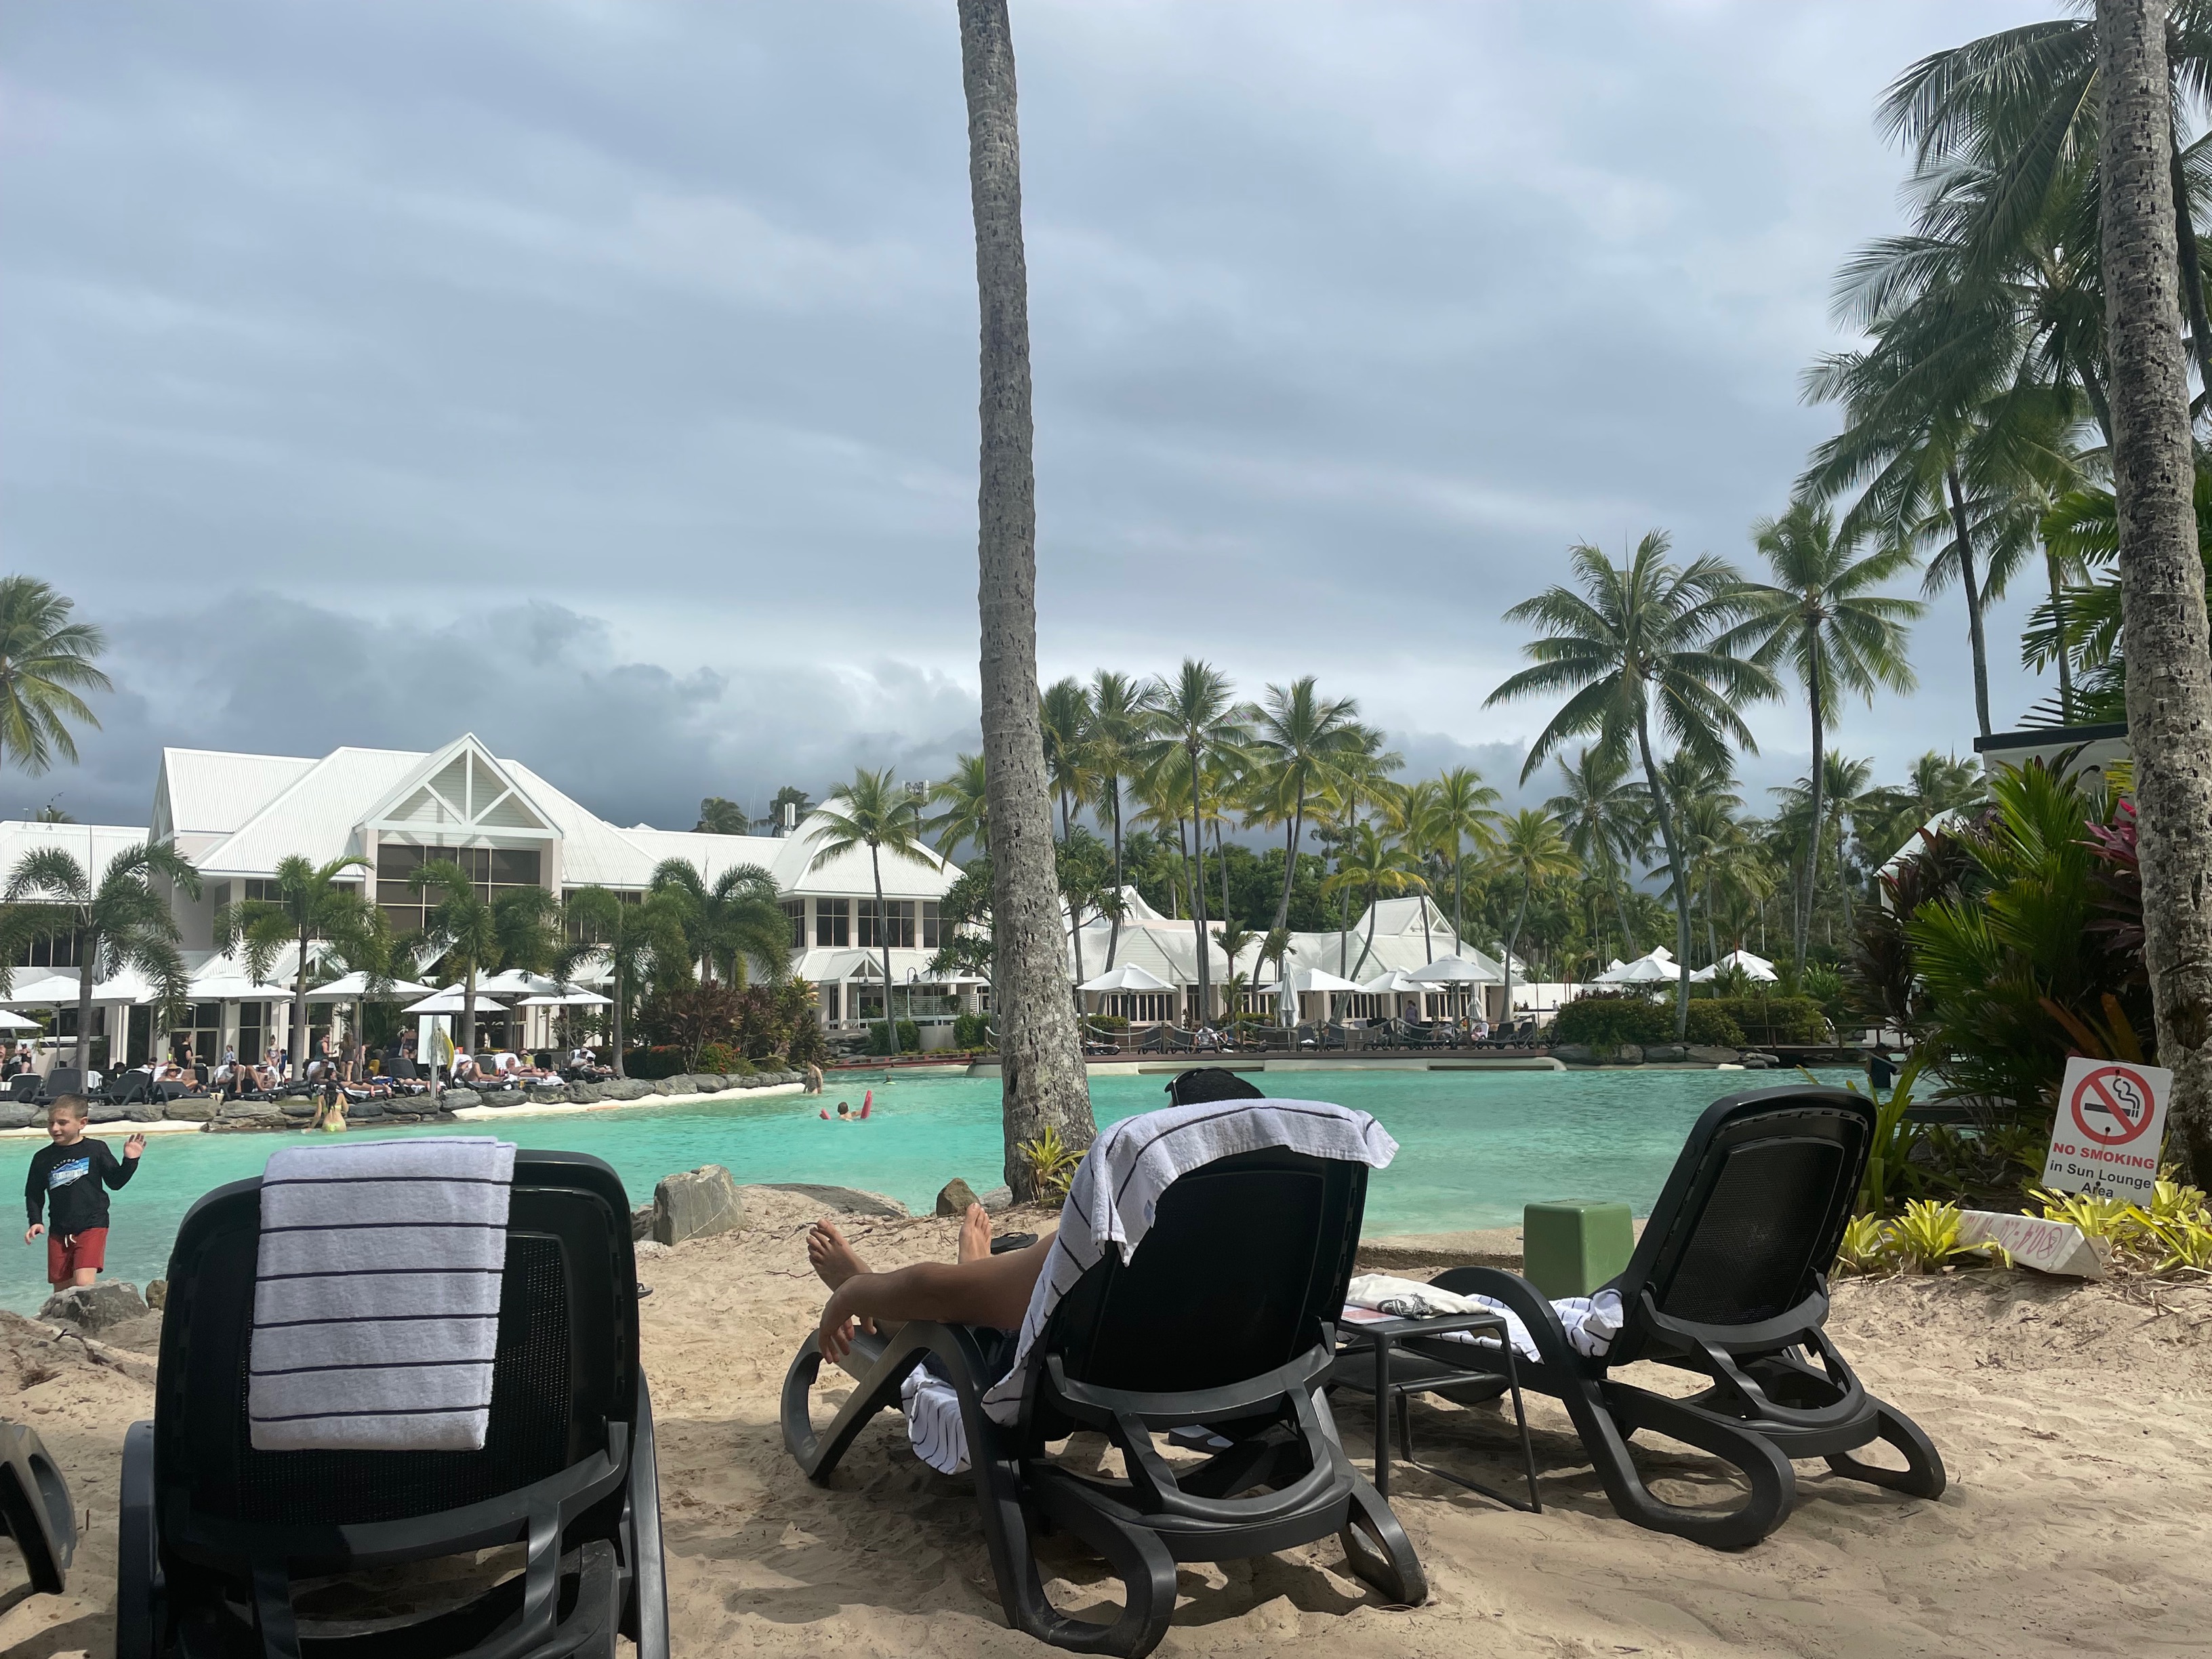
{"points": [[2185, 1241], [2112, 1219], [1051, 1163], [971, 1032], [1866, 1246], [1925, 1239]]}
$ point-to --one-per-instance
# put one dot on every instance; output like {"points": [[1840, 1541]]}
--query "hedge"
{"points": [[971, 1032], [1607, 1022]]}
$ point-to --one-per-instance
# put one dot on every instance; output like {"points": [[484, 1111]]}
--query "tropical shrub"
{"points": [[654, 1062], [1051, 1163], [1926, 1237], [971, 1032], [1607, 1022], [881, 1037], [1764, 1017], [718, 1057]]}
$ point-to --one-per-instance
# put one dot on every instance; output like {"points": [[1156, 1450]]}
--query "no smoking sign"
{"points": [[2110, 1125]]}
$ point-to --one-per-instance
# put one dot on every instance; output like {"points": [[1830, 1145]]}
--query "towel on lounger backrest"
{"points": [[376, 1294]]}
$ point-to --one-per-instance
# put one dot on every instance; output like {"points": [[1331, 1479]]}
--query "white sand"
{"points": [[2076, 1422]]}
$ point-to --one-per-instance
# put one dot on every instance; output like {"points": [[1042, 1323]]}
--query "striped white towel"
{"points": [[1114, 1200], [1590, 1322], [376, 1294]]}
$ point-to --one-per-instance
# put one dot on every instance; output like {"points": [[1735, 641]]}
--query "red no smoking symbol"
{"points": [[2111, 1105]]}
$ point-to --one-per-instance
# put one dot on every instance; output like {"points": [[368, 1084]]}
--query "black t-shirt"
{"points": [[68, 1182]]}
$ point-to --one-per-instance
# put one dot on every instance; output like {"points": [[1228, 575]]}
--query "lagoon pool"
{"points": [[1477, 1145]]}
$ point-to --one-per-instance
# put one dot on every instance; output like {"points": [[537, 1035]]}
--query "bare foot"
{"points": [[975, 1233], [829, 1255]]}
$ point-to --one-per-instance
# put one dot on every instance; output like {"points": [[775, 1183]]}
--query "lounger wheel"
{"points": [[1922, 1475], [1376, 1549]]}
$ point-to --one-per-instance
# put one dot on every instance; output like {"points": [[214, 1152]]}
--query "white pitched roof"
{"points": [[207, 792], [314, 815], [91, 845]]}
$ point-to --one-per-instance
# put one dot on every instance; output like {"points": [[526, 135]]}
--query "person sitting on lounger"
{"points": [[977, 1288]]}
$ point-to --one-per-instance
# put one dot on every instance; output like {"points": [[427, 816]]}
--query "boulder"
{"points": [[255, 1111], [849, 1201], [696, 1204], [296, 1106], [1665, 1053], [106, 1111], [15, 1115], [708, 1083], [192, 1108], [1574, 1054], [956, 1197], [457, 1100], [997, 1201], [549, 1093], [665, 1085], [1706, 1053], [95, 1307], [627, 1088], [645, 1247], [155, 1111], [641, 1222], [366, 1111], [583, 1094], [1628, 1053]]}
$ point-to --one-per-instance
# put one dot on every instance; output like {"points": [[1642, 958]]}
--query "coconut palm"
{"points": [[120, 921], [1064, 718], [1044, 1083], [1117, 727], [732, 920], [45, 661], [1299, 737], [636, 942], [1195, 717], [1638, 643], [1823, 617], [313, 908], [1464, 820], [462, 930], [1354, 785], [1371, 864], [1531, 849], [965, 799], [873, 811], [2169, 697], [1604, 818], [718, 816]]}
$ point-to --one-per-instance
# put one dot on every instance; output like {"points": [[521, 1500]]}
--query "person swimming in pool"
{"points": [[847, 1114]]}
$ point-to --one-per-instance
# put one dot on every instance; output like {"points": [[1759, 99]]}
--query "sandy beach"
{"points": [[2075, 1420]]}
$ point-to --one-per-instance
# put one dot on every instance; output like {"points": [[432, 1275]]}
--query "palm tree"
{"points": [[1040, 1048], [1064, 718], [2161, 574], [1117, 727], [718, 816], [1604, 817], [1643, 634], [45, 661], [965, 797], [462, 930], [1300, 737], [1529, 845], [1411, 815], [874, 812], [1466, 821], [1824, 619], [313, 906], [1371, 863], [637, 942], [120, 922], [736, 918], [1194, 715]]}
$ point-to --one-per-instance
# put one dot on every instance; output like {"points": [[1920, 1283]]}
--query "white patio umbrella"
{"points": [[16, 1022], [571, 996], [1660, 965], [236, 987], [354, 988], [452, 1001], [1456, 970], [1300, 981], [46, 991], [1756, 968], [1396, 983], [1127, 977]]}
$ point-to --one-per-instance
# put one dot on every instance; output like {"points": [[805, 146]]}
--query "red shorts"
{"points": [[65, 1255]]}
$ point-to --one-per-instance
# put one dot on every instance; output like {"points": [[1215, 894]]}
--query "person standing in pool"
{"points": [[65, 1193]]}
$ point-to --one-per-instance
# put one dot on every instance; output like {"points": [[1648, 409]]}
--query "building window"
{"points": [[897, 931], [492, 871], [796, 910], [60, 951], [833, 921], [933, 930]]}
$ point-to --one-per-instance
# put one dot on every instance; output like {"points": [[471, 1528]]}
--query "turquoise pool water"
{"points": [[1477, 1145]]}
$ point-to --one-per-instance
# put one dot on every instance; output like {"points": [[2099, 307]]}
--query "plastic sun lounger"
{"points": [[35, 1508], [214, 1533], [1729, 1280], [1224, 1318]]}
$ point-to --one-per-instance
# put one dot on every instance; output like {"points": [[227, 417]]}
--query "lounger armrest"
{"points": [[1531, 1304], [1101, 1407]]}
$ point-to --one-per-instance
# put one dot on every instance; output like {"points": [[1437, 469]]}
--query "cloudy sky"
{"points": [[600, 374]]}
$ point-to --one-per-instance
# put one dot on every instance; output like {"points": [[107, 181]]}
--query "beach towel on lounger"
{"points": [[1113, 1201], [376, 1295], [1591, 1321]]}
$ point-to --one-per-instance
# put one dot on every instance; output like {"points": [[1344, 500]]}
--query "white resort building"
{"points": [[234, 817]]}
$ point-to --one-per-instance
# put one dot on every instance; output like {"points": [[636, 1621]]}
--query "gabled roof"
{"points": [[314, 815], [462, 789], [207, 792]]}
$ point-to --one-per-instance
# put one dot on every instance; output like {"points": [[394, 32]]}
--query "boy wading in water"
{"points": [[69, 1182]]}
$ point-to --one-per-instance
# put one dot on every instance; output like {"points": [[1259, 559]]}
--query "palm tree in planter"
{"points": [[873, 811], [638, 942], [45, 659], [312, 909], [118, 922], [735, 918]]}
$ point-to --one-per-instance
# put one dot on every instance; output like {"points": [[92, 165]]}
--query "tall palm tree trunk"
{"points": [[468, 1017], [1459, 894], [1040, 1050], [1512, 941], [1973, 598], [1812, 700], [2057, 578], [1114, 937], [883, 942], [84, 1000], [1367, 946], [1664, 811], [615, 1018], [1614, 885], [2169, 667], [1290, 860], [1198, 891], [300, 1011]]}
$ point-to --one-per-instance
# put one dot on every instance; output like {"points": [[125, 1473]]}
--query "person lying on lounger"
{"points": [[980, 1289]]}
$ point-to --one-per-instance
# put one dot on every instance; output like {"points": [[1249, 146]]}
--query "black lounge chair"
{"points": [[1730, 1281], [217, 1536], [1225, 1319], [62, 1080], [23, 1088], [35, 1508]]}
